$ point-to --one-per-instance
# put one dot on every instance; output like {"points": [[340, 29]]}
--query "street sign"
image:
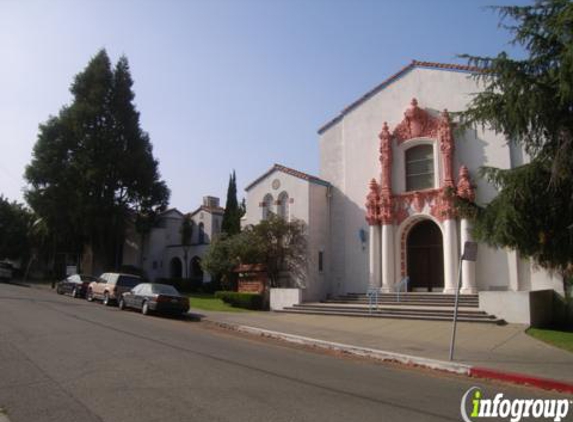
{"points": [[470, 254], [470, 251]]}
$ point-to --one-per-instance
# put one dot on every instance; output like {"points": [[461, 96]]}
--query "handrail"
{"points": [[404, 282], [372, 294]]}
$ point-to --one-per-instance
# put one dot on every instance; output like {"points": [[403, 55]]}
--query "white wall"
{"points": [[297, 189], [350, 159]]}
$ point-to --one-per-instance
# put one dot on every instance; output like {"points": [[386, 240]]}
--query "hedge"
{"points": [[252, 301], [183, 284]]}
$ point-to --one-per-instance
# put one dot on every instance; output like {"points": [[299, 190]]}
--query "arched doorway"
{"points": [[175, 268], [196, 270], [425, 256]]}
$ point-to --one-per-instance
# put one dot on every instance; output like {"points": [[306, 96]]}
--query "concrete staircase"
{"points": [[419, 306]]}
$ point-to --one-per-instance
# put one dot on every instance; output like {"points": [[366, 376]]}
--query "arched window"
{"points": [[267, 206], [283, 206], [420, 167], [201, 233]]}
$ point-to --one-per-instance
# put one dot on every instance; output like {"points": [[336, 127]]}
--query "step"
{"points": [[396, 307], [410, 302], [490, 319], [394, 310], [449, 298]]}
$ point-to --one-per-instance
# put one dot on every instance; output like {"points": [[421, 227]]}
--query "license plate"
{"points": [[174, 301]]}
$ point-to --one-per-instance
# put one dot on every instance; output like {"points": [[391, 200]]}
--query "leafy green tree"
{"points": [[15, 222], [284, 250], [93, 165], [279, 245], [530, 101], [232, 217], [225, 253]]}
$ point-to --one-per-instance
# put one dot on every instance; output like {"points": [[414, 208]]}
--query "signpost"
{"points": [[470, 254]]}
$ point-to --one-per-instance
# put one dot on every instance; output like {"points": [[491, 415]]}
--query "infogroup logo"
{"points": [[479, 407]]}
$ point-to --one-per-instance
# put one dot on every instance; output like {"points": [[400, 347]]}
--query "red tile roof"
{"points": [[394, 77], [292, 172]]}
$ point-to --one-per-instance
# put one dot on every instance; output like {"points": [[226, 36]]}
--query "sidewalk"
{"points": [[503, 348]]}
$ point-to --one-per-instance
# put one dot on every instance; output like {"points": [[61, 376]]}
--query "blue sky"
{"points": [[223, 85]]}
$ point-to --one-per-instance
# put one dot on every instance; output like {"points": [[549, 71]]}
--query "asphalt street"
{"points": [[64, 359]]}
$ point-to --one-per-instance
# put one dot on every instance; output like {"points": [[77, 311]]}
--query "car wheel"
{"points": [[121, 304], [145, 308], [59, 290], [106, 300], [75, 292], [90, 295]]}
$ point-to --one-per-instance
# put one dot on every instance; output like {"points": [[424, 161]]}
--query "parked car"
{"points": [[154, 297], [109, 287], [6, 270], [75, 285]]}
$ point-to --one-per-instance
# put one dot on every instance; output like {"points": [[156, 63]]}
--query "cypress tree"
{"points": [[232, 217]]}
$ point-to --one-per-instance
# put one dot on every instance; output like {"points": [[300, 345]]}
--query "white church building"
{"points": [[379, 210]]}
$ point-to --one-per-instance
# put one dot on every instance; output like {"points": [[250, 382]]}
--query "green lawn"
{"points": [[557, 338], [207, 302]]}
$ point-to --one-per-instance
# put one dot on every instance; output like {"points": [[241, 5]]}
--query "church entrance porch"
{"points": [[425, 257]]}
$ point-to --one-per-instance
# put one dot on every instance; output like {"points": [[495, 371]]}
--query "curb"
{"points": [[523, 379], [384, 356], [381, 355]]}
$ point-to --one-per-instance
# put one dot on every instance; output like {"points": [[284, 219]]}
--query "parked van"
{"points": [[110, 286], [6, 270]]}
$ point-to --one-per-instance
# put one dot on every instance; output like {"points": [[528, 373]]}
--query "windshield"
{"points": [[164, 289], [128, 281]]}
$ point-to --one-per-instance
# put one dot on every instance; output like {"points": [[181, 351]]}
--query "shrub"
{"points": [[252, 301], [183, 284]]}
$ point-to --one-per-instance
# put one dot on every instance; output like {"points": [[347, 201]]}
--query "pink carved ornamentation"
{"points": [[417, 123], [418, 201], [372, 203], [447, 146], [443, 207], [401, 212], [386, 159], [386, 208], [465, 189]]}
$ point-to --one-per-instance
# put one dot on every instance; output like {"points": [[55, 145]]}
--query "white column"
{"points": [[513, 273], [374, 256], [468, 267], [388, 280], [451, 256]]}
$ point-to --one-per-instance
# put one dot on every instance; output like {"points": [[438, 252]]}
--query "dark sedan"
{"points": [[75, 285], [153, 297]]}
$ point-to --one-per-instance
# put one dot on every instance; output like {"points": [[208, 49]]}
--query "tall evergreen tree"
{"points": [[232, 217], [530, 101], [93, 165]]}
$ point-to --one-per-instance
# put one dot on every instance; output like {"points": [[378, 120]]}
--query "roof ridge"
{"points": [[287, 170], [414, 63]]}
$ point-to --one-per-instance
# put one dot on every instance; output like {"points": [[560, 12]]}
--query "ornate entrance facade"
{"points": [[417, 183]]}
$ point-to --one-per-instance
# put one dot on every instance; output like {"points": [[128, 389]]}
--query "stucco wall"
{"points": [[297, 189], [318, 283], [350, 159]]}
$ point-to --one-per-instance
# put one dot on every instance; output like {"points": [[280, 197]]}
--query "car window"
{"points": [[137, 289], [88, 278], [74, 278], [164, 289], [128, 281]]}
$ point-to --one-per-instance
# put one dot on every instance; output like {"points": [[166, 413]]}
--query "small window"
{"points": [[420, 168], [201, 233], [283, 206], [320, 261]]}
